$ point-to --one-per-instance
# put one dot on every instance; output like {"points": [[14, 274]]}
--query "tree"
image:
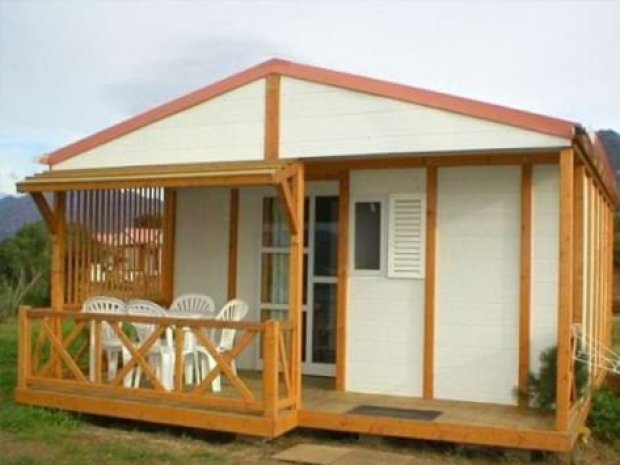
{"points": [[25, 264]]}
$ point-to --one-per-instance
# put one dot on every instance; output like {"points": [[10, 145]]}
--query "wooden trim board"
{"points": [[430, 282], [344, 192], [525, 282], [565, 288]]}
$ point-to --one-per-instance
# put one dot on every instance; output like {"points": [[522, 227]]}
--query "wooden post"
{"points": [[430, 282], [525, 282], [179, 343], [272, 117], [565, 298], [24, 357], [98, 352], [296, 266], [343, 281], [233, 243], [57, 283], [167, 271], [578, 254], [270, 368], [58, 253]]}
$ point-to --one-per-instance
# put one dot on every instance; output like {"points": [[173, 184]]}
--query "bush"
{"points": [[542, 386], [604, 417]]}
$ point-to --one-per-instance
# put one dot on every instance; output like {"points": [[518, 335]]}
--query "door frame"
{"points": [[313, 190]]}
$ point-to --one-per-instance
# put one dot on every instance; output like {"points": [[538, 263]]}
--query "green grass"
{"points": [[66, 439], [23, 421]]}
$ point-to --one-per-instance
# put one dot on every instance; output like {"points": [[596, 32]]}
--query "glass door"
{"points": [[320, 280]]}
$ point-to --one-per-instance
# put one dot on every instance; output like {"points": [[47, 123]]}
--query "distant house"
{"points": [[407, 255]]}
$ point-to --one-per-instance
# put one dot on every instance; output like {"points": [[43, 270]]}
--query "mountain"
{"points": [[16, 212], [611, 141]]}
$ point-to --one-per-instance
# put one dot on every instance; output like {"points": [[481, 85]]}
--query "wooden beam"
{"points": [[565, 288], [233, 243], [284, 191], [167, 269], [296, 266], [578, 254], [58, 252], [272, 117], [525, 282], [46, 211], [521, 438], [329, 169], [270, 369], [342, 298], [430, 282]]}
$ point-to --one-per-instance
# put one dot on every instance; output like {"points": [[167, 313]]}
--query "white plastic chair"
{"points": [[161, 353], [195, 305], [110, 343], [235, 310]]}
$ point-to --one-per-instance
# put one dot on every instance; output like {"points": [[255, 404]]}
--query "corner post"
{"points": [[296, 267], [58, 253], [565, 288]]}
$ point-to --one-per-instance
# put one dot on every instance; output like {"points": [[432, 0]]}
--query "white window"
{"points": [[367, 235], [406, 236]]}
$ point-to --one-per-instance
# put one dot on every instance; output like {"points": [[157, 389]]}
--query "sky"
{"points": [[70, 68]]}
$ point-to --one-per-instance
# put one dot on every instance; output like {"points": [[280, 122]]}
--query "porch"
{"points": [[54, 372]]}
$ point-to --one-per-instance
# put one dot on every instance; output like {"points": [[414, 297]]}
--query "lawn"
{"points": [[30, 436]]}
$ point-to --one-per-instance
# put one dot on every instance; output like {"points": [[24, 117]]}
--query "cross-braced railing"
{"points": [[67, 350]]}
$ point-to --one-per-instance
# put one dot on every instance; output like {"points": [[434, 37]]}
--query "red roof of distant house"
{"points": [[497, 113]]}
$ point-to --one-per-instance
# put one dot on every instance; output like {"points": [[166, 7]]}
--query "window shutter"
{"points": [[406, 236]]}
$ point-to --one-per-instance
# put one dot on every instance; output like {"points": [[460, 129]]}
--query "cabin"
{"points": [[406, 256]]}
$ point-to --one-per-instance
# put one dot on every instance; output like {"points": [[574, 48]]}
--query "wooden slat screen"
{"points": [[114, 244]]}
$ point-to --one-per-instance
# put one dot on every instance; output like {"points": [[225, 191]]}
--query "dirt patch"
{"points": [[11, 450]]}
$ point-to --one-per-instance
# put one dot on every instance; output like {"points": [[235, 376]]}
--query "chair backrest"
{"points": [[144, 308], [235, 310], [194, 303], [106, 305]]}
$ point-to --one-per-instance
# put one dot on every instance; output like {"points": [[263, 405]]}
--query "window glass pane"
{"points": [[275, 278], [367, 235], [324, 323], [275, 226], [275, 229], [326, 236]]}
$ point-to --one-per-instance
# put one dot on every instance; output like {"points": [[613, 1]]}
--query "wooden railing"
{"points": [[65, 350]]}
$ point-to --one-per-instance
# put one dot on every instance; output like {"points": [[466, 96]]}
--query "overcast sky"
{"points": [[70, 68]]}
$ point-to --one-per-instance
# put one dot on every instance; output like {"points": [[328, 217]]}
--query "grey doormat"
{"points": [[406, 414]]}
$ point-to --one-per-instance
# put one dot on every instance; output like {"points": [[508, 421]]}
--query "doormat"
{"points": [[406, 414]]}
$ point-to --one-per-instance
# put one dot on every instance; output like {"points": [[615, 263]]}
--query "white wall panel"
{"points": [[226, 128], [201, 248], [545, 264], [320, 120], [477, 302], [386, 316]]}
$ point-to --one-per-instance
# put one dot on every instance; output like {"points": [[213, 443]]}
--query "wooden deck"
{"points": [[61, 366], [322, 408]]}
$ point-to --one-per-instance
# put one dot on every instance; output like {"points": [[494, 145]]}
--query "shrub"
{"points": [[542, 386], [604, 417]]}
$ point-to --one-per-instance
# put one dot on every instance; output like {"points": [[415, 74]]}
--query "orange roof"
{"points": [[487, 111]]}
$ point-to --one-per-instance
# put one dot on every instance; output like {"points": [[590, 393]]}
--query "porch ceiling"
{"points": [[182, 175]]}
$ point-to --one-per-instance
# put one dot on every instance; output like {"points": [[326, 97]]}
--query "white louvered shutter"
{"points": [[406, 236]]}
